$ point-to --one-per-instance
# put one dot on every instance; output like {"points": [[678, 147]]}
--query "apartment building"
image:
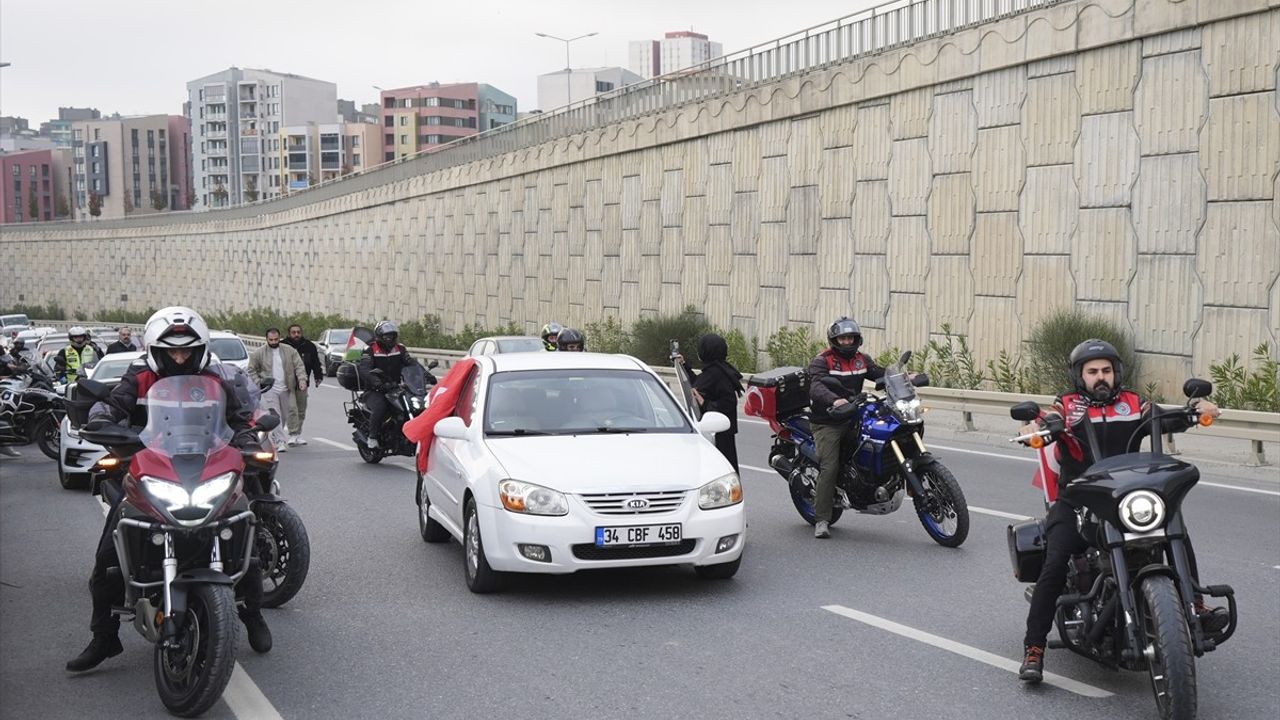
{"points": [[426, 116], [314, 153], [676, 51], [127, 166]]}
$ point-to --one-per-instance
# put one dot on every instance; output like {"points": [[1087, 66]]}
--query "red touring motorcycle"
{"points": [[185, 535]]}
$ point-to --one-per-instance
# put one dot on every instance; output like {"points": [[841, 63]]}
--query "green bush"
{"points": [[1052, 341], [607, 336], [1248, 387], [257, 320], [793, 346], [741, 356], [950, 362], [125, 317], [52, 311], [1010, 375], [650, 337]]}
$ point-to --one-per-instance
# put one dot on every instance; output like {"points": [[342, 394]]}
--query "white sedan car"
{"points": [[77, 456], [559, 462]]}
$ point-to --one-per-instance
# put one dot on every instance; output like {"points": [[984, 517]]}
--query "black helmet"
{"points": [[840, 328], [1095, 349], [18, 345], [550, 332], [386, 334], [571, 336]]}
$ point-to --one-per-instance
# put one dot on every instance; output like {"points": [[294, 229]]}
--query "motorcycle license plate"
{"points": [[638, 535]]}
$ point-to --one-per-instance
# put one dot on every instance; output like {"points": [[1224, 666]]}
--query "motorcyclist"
{"points": [[1118, 419], [841, 360], [177, 343], [81, 352], [11, 361], [550, 332], [571, 340], [382, 361]]}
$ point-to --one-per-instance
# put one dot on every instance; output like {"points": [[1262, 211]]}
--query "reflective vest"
{"points": [[77, 359]]}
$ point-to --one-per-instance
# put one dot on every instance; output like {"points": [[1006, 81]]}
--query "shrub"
{"points": [[741, 355], [650, 337], [1246, 387], [126, 317], [607, 336], [793, 346], [1010, 375], [1052, 341], [52, 311], [950, 362]]}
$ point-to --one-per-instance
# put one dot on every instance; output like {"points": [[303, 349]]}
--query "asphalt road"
{"points": [[385, 626]]}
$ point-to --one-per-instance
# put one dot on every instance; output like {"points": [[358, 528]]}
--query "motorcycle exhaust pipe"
{"points": [[782, 464]]}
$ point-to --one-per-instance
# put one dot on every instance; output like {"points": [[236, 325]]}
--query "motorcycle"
{"points": [[284, 549], [184, 536], [1129, 599], [886, 460], [31, 410], [407, 400]]}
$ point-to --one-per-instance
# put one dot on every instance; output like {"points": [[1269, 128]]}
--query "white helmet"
{"points": [[176, 327]]}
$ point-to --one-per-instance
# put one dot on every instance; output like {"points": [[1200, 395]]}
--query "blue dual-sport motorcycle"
{"points": [[885, 458]]}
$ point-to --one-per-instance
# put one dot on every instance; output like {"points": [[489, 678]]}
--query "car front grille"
{"points": [[634, 503], [587, 551]]}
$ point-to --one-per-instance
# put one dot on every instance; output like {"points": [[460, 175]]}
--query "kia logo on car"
{"points": [[637, 504]]}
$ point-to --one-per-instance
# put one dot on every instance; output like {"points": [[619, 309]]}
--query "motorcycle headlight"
{"points": [[721, 492], [530, 499], [208, 494], [172, 496], [175, 497], [415, 402], [908, 410], [1142, 511]]}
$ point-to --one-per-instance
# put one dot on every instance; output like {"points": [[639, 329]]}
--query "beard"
{"points": [[1101, 391]]}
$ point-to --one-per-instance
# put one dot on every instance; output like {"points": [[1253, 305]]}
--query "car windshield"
{"points": [[111, 369], [575, 402], [339, 337], [53, 345], [228, 348], [529, 344]]}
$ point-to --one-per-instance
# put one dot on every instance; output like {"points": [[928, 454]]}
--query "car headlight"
{"points": [[1142, 511], [721, 492], [530, 499], [908, 410]]}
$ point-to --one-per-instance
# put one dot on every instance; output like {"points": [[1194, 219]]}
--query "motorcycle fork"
{"points": [[173, 598], [1120, 571], [1182, 566], [914, 486]]}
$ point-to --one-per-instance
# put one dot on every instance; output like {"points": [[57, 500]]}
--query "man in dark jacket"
{"points": [[381, 362], [842, 361], [124, 344], [311, 361], [717, 389]]}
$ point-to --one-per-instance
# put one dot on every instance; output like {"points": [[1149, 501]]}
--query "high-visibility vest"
{"points": [[77, 359]]}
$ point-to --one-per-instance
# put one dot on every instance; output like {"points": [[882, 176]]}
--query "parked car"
{"points": [[11, 325], [332, 344], [229, 348], [505, 344], [50, 344], [559, 462], [77, 456]]}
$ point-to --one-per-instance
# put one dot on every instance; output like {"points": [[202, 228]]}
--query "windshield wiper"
{"points": [[612, 429], [516, 431]]}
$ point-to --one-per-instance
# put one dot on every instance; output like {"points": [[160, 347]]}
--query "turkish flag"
{"points": [[442, 402]]}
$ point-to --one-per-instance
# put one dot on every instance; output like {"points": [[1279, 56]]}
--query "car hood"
{"points": [[605, 463]]}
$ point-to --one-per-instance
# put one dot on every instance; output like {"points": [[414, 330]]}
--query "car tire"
{"points": [[481, 579], [430, 530], [719, 571], [72, 481]]}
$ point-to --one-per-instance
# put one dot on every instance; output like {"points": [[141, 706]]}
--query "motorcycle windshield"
{"points": [[186, 415], [898, 387], [414, 378]]}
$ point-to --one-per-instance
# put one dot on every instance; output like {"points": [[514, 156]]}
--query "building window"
{"points": [[389, 139], [602, 86], [388, 102], [77, 134], [355, 158], [404, 139], [388, 157], [97, 168], [389, 121], [404, 120], [96, 134], [17, 170], [44, 170], [355, 141]]}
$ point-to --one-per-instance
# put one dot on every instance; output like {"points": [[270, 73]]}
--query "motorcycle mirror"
{"points": [[433, 364], [112, 435], [920, 380], [906, 357], [93, 389], [1025, 411], [267, 422], [1197, 388]]}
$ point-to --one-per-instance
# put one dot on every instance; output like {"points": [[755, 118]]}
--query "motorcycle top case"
{"points": [[1026, 549], [348, 376], [778, 393]]}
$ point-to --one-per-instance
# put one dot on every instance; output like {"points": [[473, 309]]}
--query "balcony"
{"points": [[297, 166], [296, 148], [216, 134], [217, 151], [216, 117]]}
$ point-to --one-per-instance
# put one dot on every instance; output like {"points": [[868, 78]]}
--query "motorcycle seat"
{"points": [[801, 423]]}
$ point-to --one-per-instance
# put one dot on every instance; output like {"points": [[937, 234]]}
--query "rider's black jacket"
{"points": [[390, 362], [851, 372]]}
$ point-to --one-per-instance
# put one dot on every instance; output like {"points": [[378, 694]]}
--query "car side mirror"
{"points": [[451, 428], [1197, 388], [267, 421], [712, 423], [433, 364], [1025, 411], [93, 389]]}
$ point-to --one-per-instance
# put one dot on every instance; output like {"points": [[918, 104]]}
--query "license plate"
{"points": [[636, 535]]}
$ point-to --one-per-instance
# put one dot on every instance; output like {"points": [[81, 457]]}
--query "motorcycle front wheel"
{"points": [[284, 552], [191, 675], [1170, 659], [942, 509], [48, 436]]}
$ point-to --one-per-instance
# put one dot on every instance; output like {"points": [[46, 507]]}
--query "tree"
{"points": [[159, 200], [311, 179], [61, 208], [251, 188], [219, 193], [128, 204], [33, 207], [95, 204]]}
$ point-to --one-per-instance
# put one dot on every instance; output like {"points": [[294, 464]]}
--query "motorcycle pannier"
{"points": [[784, 391], [78, 405], [1026, 549], [348, 376]]}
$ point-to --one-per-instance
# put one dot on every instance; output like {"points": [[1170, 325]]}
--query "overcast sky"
{"points": [[136, 56]]}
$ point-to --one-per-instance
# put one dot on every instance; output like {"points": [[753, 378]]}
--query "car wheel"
{"points": [[72, 481], [719, 571], [480, 577], [431, 531]]}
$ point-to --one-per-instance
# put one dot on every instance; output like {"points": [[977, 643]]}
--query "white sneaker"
{"points": [[282, 447], [298, 440], [293, 440]]}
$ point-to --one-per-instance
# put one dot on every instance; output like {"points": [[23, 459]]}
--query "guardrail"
{"points": [[1256, 427]]}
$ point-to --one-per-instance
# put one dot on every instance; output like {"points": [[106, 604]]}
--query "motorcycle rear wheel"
{"points": [[372, 456], [942, 511], [802, 498], [48, 436], [1170, 659], [191, 676], [284, 551]]}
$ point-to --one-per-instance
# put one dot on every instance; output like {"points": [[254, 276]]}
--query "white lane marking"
{"points": [[981, 452], [972, 653], [972, 508], [333, 443], [242, 694], [245, 698], [1241, 489]]}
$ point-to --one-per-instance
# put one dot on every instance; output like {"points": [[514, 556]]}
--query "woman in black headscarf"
{"points": [[717, 389]]}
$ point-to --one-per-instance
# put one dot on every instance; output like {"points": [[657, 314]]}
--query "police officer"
{"points": [[550, 332], [81, 352]]}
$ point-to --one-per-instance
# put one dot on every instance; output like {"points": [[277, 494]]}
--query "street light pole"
{"points": [[568, 69]]}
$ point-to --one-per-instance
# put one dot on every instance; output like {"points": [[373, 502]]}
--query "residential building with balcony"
{"points": [[676, 51], [28, 186], [236, 120], [423, 117], [564, 87], [127, 163], [315, 153]]}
